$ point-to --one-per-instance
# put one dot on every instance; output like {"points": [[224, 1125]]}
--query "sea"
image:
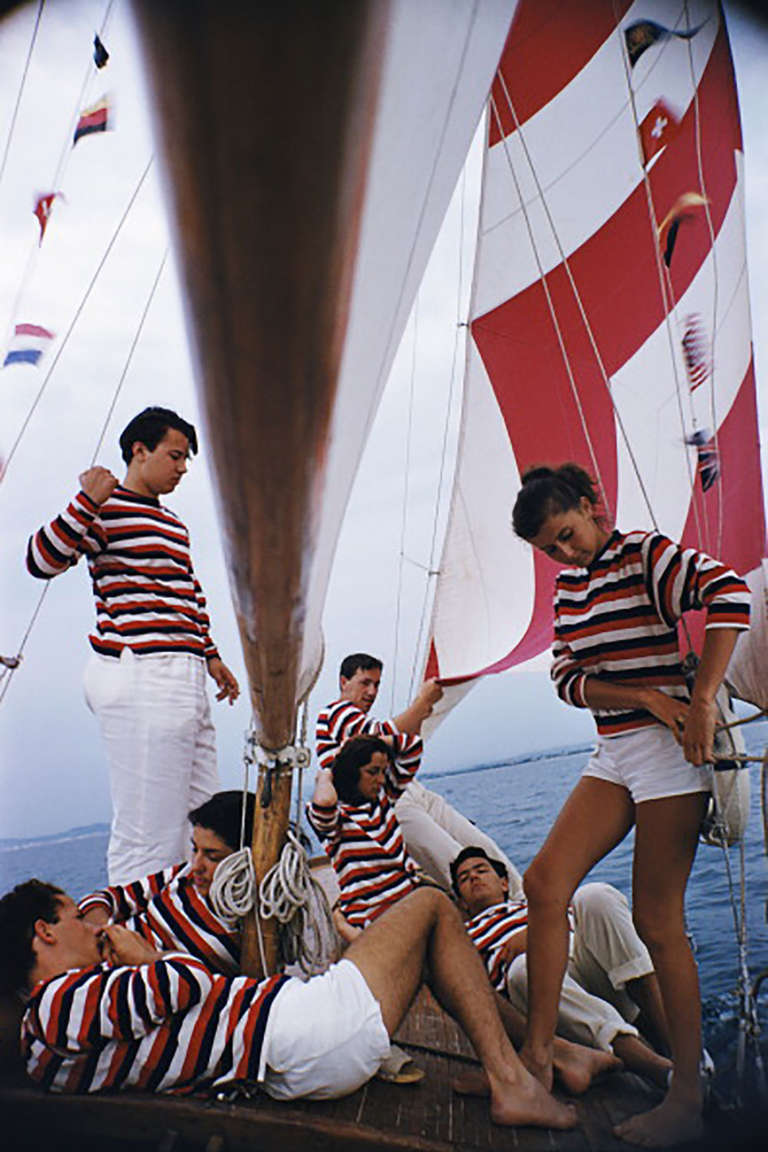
{"points": [[516, 802]]}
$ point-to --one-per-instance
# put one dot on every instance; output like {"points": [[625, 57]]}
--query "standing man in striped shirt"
{"points": [[145, 679]]}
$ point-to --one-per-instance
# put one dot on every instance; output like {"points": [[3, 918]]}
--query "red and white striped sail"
{"points": [[610, 316]]}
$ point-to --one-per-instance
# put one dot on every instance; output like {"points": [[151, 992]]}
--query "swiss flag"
{"points": [[657, 129]]}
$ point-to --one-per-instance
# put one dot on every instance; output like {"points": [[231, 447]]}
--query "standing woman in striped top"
{"points": [[151, 645], [617, 604]]}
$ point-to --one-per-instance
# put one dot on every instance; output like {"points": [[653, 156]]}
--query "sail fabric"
{"points": [[609, 321]]}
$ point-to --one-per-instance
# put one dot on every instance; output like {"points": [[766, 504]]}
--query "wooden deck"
{"points": [[428, 1117]]}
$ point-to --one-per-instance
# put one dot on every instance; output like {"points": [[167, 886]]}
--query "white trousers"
{"points": [[606, 953], [156, 722], [435, 833]]}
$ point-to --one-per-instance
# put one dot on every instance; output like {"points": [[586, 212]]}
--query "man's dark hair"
{"points": [[469, 853], [361, 660], [150, 426], [19, 910], [354, 755], [223, 813]]}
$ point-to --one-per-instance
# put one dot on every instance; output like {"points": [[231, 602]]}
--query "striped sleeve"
{"points": [[58, 545], [566, 672], [125, 1003], [341, 721], [324, 819], [407, 758], [210, 651], [680, 579], [125, 900]]}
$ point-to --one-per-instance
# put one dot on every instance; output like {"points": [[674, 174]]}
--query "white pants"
{"points": [[156, 722], [435, 833], [607, 952]]}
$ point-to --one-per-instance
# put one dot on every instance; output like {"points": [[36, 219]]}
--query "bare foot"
{"points": [[540, 1068], [577, 1066], [473, 1082], [673, 1122], [526, 1102]]}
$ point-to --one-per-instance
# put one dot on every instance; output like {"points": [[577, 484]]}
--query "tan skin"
{"points": [[479, 887], [362, 689], [596, 817], [154, 473]]}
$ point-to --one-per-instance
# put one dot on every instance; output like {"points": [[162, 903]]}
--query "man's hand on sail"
{"points": [[226, 681], [98, 483]]}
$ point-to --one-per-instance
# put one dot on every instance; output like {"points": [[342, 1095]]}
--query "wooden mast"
{"points": [[265, 114]]}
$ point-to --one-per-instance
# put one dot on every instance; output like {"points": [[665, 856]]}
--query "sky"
{"points": [[52, 766]]}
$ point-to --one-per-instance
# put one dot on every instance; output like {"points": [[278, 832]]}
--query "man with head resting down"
{"points": [[108, 1011], [151, 645], [610, 978], [433, 830]]}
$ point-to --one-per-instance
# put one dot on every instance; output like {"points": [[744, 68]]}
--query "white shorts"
{"points": [[649, 763], [325, 1037]]}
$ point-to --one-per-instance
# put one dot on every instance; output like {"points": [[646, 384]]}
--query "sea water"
{"points": [[516, 803]]}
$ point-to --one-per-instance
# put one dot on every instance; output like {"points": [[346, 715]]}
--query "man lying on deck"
{"points": [[434, 831], [105, 1010], [610, 974]]}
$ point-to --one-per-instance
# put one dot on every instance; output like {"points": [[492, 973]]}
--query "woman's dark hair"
{"points": [[223, 815], [353, 756], [19, 910], [549, 490], [149, 428]]}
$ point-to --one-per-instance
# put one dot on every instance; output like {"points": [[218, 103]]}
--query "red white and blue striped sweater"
{"points": [[617, 619], [365, 844], [167, 1026], [341, 721], [146, 593], [168, 911]]}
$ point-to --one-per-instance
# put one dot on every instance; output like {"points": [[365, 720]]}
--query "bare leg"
{"points": [[667, 834], [596, 816], [426, 928], [637, 1056], [652, 1022]]}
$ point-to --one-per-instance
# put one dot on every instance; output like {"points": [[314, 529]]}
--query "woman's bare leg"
{"points": [[665, 846], [595, 818], [425, 930]]}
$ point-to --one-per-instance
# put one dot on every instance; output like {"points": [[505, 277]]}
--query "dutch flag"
{"points": [[28, 344]]}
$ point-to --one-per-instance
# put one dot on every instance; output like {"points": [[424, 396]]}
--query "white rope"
{"points": [[233, 886]]}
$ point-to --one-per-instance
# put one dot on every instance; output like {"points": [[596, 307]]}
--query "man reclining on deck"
{"points": [[105, 1010], [610, 974], [434, 830]]}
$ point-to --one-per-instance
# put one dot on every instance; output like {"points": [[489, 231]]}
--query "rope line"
{"points": [[404, 517], [20, 93]]}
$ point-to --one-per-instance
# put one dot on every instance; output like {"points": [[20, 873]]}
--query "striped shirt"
{"points": [[339, 722], [617, 619], [167, 1026], [491, 929], [168, 911], [365, 844], [147, 596]]}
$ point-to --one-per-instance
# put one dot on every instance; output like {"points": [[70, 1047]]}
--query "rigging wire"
{"points": [[430, 568], [7, 675], [20, 93], [665, 285], [404, 517], [76, 316]]}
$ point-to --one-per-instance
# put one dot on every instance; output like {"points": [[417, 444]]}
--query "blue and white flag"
{"points": [[28, 344]]}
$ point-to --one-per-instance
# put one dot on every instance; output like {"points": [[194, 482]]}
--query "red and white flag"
{"points": [[657, 129], [43, 207]]}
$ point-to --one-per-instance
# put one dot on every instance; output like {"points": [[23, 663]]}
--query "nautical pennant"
{"points": [[695, 352], [708, 461], [100, 54], [28, 344], [93, 119], [42, 210], [669, 227], [643, 34], [657, 129]]}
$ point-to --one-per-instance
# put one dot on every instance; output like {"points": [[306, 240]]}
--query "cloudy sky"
{"points": [[52, 769]]}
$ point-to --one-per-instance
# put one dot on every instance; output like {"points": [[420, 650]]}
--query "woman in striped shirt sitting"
{"points": [[352, 811], [617, 604]]}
